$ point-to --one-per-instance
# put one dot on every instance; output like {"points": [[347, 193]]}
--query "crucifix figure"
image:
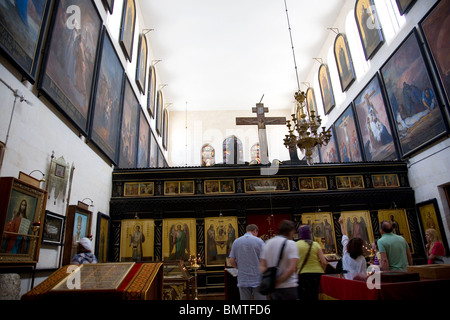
{"points": [[261, 121]]}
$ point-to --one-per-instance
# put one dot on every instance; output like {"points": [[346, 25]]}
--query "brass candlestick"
{"points": [[194, 265]]}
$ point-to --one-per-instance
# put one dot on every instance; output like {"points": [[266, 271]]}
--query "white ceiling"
{"points": [[227, 54]]}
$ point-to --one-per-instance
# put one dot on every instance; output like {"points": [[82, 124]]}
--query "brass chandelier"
{"points": [[304, 133]]}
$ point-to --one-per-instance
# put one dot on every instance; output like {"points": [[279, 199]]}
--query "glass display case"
{"points": [[177, 281]]}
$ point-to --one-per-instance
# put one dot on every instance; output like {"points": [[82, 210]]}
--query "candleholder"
{"points": [[195, 266]]}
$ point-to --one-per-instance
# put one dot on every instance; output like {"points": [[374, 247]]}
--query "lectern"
{"points": [[114, 281]]}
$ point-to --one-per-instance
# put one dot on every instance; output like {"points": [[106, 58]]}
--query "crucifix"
{"points": [[261, 121]]}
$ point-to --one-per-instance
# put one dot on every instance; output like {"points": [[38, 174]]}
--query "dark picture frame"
{"points": [[311, 101], [313, 183], [68, 72], [53, 230], [435, 27], [165, 129], [137, 238], [404, 5], [385, 181], [151, 91], [107, 107], [329, 153], [219, 186], [141, 66], [153, 150], [399, 221], [369, 27], [347, 137], [374, 123], [266, 185], [102, 237], [161, 162], [78, 225], [23, 33], [143, 153], [127, 28], [406, 77], [220, 233], [183, 229], [430, 217], [109, 5], [322, 230], [326, 88], [159, 108], [60, 170], [344, 62], [173, 188], [350, 182], [22, 210], [129, 128]]}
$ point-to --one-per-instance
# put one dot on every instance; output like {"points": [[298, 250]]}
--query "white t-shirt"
{"points": [[349, 264], [271, 253]]}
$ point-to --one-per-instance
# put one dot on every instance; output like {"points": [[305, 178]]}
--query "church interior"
{"points": [[161, 129]]}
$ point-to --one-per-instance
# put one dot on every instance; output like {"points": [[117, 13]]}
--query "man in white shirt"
{"points": [[287, 281], [244, 256]]}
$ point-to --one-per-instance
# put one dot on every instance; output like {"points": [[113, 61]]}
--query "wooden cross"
{"points": [[261, 121]]}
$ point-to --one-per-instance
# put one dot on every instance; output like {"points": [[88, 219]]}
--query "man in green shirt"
{"points": [[394, 250]]}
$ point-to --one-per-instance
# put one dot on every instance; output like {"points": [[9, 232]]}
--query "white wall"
{"points": [[190, 131], [36, 130], [428, 169]]}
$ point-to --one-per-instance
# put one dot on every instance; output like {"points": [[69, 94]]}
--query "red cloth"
{"points": [[333, 286], [343, 289], [267, 225]]}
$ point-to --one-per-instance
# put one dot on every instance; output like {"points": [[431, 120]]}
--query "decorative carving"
{"points": [[58, 175]]}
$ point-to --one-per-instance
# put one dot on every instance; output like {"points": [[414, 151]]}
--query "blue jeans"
{"points": [[246, 293]]}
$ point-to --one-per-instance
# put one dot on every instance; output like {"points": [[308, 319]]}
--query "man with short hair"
{"points": [[244, 256], [394, 250], [287, 280]]}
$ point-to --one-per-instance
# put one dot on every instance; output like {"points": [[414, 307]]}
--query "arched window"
{"points": [[254, 152], [232, 150], [208, 156]]}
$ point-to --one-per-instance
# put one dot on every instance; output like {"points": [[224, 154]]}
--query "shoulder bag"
{"points": [[269, 276]]}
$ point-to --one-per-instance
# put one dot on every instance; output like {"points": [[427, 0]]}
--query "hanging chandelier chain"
{"points": [[292, 45], [303, 133]]}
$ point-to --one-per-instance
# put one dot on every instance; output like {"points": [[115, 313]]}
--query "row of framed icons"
{"points": [[258, 185]]}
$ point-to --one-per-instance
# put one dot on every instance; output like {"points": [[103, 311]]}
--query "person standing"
{"points": [[394, 250], [311, 265], [244, 256], [286, 284]]}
